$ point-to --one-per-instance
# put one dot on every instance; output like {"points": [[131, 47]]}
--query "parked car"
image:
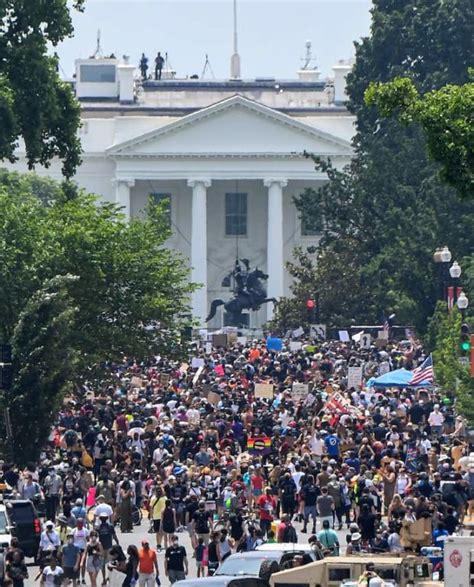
{"points": [[22, 521]]}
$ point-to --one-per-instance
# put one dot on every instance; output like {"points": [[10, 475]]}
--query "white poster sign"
{"points": [[299, 391], [318, 331], [354, 377]]}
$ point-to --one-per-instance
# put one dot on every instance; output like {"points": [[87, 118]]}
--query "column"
{"points": [[199, 247], [275, 268], [122, 195]]}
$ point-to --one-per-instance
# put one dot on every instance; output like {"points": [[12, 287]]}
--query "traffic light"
{"points": [[465, 343], [311, 310]]}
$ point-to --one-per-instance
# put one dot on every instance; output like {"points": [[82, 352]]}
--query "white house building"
{"points": [[226, 155]]}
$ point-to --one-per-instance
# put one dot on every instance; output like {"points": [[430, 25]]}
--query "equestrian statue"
{"points": [[249, 292]]}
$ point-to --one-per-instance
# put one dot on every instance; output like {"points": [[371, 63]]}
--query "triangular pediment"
{"points": [[235, 126]]}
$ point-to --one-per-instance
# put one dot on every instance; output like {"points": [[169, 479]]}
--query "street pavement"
{"points": [[141, 532]]}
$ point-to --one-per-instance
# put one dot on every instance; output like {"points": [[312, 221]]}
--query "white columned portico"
{"points": [[275, 268], [199, 247], [122, 194]]}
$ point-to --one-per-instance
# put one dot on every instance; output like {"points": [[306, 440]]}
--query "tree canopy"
{"points": [[446, 117], [132, 291], [35, 104], [386, 212]]}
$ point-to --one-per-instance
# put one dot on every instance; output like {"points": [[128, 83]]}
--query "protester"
{"points": [[241, 443]]}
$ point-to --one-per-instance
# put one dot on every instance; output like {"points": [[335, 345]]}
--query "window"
{"points": [[313, 227], [165, 201], [98, 73], [236, 214]]}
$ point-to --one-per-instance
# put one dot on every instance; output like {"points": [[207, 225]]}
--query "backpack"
{"points": [[289, 534]]}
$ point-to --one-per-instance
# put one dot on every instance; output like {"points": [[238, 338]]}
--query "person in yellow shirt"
{"points": [[156, 508]]}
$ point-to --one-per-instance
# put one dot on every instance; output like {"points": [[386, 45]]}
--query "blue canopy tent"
{"points": [[397, 378]]}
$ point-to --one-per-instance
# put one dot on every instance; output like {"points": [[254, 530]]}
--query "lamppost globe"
{"points": [[463, 301], [445, 255], [455, 270], [437, 256]]}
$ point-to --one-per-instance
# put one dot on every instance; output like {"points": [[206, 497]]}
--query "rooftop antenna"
{"points": [[308, 58], [98, 49], [235, 59], [207, 67]]}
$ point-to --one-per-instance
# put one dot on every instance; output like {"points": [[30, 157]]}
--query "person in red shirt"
{"points": [[267, 505], [256, 484]]}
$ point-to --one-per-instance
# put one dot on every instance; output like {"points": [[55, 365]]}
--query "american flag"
{"points": [[424, 372]]}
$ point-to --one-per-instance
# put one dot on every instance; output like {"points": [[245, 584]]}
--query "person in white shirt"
{"points": [[51, 574], [49, 541], [436, 421], [316, 445], [102, 508]]}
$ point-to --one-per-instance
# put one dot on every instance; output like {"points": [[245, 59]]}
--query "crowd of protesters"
{"points": [[198, 447]]}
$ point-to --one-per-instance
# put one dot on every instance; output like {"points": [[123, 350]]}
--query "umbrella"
{"points": [[136, 430]]}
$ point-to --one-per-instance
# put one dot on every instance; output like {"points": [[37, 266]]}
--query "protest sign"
{"points": [[382, 334], [295, 345], [354, 377], [365, 341], [274, 344], [219, 340], [197, 362], [264, 390], [344, 336], [213, 398], [298, 332], [318, 331], [197, 375], [208, 348], [261, 445], [242, 340], [299, 391]]}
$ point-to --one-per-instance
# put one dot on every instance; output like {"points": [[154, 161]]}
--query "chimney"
{"points": [[340, 72], [126, 81]]}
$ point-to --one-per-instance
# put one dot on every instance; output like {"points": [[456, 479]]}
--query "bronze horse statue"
{"points": [[249, 292]]}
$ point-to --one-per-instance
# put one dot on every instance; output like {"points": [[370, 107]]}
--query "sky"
{"points": [[272, 33]]}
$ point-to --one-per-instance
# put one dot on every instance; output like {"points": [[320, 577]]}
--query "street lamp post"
{"points": [[462, 303], [442, 258], [455, 273]]}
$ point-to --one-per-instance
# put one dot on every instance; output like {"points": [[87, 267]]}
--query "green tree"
{"points": [[443, 339], [35, 104], [387, 211], [44, 359], [132, 292], [291, 312], [445, 116]]}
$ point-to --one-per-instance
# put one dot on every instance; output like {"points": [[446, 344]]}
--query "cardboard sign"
{"points": [[365, 341], [242, 340], [165, 378], [264, 390], [197, 375], [354, 377], [197, 362], [299, 391], [219, 340], [382, 334], [274, 344], [136, 382], [344, 336], [318, 331], [261, 445], [295, 345], [298, 332], [213, 398]]}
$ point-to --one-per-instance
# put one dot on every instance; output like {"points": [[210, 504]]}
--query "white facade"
{"points": [[234, 145]]}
